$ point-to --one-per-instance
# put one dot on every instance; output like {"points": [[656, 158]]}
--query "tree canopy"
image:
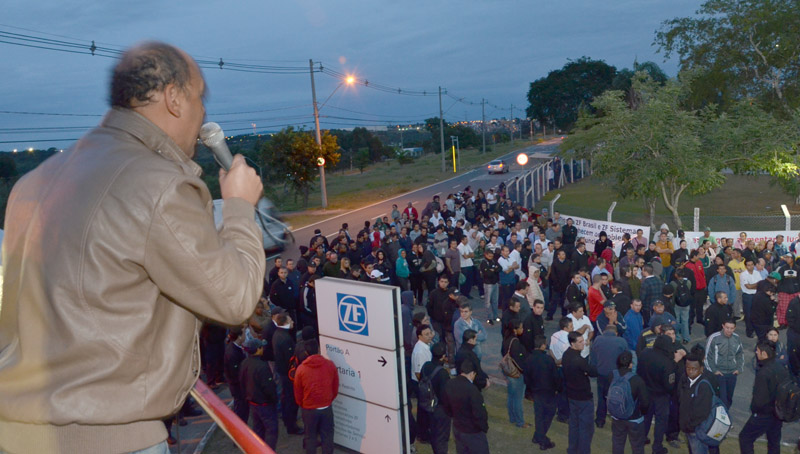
{"points": [[292, 155], [557, 98], [740, 49]]}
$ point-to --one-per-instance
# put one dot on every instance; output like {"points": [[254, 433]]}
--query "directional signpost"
{"points": [[360, 331]]}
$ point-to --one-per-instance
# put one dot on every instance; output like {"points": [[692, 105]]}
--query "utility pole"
{"points": [[483, 123], [319, 137], [531, 130], [441, 129], [512, 124]]}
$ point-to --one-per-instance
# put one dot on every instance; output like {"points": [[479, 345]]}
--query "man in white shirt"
{"points": [[559, 342], [542, 240], [422, 350], [581, 324], [749, 279], [547, 255], [517, 258], [435, 218], [466, 253]]}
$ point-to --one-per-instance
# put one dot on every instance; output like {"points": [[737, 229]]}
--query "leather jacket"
{"points": [[110, 258]]}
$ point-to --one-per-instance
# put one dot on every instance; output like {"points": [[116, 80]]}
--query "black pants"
{"points": [[471, 443], [430, 283], [265, 423], [417, 287], [240, 405], [440, 430], [288, 404], [318, 423], [506, 292], [659, 409], [699, 301], [759, 425], [544, 410], [621, 431]]}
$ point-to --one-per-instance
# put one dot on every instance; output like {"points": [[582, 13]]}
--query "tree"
{"points": [[8, 168], [660, 148], [742, 49], [293, 157], [362, 159], [651, 150], [559, 96]]}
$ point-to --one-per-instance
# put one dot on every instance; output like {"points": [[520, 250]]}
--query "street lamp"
{"points": [[349, 80]]}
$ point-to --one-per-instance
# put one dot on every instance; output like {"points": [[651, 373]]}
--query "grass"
{"points": [[743, 202], [352, 189]]}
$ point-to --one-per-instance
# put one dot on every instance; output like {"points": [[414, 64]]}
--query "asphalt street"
{"points": [[477, 178]]}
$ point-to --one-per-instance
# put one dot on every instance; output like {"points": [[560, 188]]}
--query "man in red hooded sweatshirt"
{"points": [[316, 384]]}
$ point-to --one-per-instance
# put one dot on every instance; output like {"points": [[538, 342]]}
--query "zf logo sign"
{"points": [[352, 314]]}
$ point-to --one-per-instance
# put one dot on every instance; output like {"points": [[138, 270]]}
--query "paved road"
{"points": [[477, 178]]}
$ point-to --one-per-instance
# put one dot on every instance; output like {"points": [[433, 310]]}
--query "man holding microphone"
{"points": [[111, 261]]}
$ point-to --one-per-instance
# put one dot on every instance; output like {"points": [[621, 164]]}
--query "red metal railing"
{"points": [[236, 429]]}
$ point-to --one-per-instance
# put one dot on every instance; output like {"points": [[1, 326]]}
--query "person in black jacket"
{"points": [[439, 420], [234, 355], [542, 382], [577, 371], [633, 426], [657, 367], [574, 292], [762, 406], [464, 404], [533, 326], [579, 258], [281, 293], [559, 280], [717, 313], [694, 401], [466, 353], [283, 344], [260, 392], [762, 315], [490, 274]]}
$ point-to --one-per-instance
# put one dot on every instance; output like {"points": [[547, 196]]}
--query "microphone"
{"points": [[212, 136]]}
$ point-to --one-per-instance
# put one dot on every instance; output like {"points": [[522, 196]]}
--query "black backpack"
{"points": [[426, 396], [787, 401], [683, 297]]}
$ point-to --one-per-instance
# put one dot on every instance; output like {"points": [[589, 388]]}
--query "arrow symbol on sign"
{"points": [[388, 418], [382, 361]]}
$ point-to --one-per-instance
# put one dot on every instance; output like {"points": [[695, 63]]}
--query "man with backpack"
{"points": [[695, 400], [683, 304], [773, 385], [605, 352], [542, 381], [433, 378], [628, 402]]}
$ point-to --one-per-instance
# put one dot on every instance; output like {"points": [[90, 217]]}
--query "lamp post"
{"points": [[320, 160]]}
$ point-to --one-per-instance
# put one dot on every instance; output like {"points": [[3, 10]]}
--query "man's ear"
{"points": [[172, 100]]}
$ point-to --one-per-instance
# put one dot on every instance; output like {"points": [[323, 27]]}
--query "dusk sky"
{"points": [[474, 49]]}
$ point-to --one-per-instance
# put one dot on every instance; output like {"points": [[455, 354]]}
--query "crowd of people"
{"points": [[627, 314]]}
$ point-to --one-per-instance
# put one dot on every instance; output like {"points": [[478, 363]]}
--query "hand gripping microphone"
{"points": [[212, 136]]}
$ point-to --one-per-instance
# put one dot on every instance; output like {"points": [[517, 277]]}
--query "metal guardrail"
{"points": [[535, 184], [236, 429]]}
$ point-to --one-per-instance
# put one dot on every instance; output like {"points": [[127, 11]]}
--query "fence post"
{"points": [[572, 170], [524, 199], [611, 211], [583, 174], [696, 219], [542, 182], [788, 218], [553, 204]]}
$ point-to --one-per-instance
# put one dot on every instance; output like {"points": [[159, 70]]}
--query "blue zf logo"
{"points": [[352, 314]]}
